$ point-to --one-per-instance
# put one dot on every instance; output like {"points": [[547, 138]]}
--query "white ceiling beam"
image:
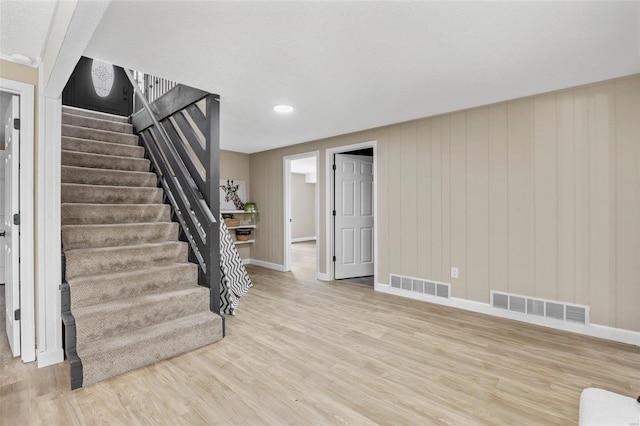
{"points": [[71, 30]]}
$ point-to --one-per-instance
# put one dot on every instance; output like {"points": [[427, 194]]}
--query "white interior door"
{"points": [[12, 232], [354, 216], [2, 207]]}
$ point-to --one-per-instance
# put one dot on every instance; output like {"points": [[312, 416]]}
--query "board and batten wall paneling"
{"points": [[395, 226], [446, 198], [424, 198], [601, 176], [627, 206], [545, 197], [385, 215], [537, 196], [566, 196], [520, 220], [498, 199], [408, 199], [435, 164], [478, 205], [458, 179], [582, 193]]}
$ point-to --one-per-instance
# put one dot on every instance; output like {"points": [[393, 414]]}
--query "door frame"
{"points": [[330, 194], [286, 169], [26, 197]]}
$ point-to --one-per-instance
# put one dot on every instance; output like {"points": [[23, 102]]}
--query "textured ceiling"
{"points": [[24, 26], [348, 66]]}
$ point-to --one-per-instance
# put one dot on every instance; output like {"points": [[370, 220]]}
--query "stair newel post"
{"points": [[213, 198]]}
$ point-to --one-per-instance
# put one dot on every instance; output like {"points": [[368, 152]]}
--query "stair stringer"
{"points": [[69, 332]]}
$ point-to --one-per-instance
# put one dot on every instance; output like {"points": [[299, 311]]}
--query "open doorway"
{"points": [[301, 214], [352, 233]]}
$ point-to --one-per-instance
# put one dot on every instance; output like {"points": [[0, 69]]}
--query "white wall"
{"points": [[303, 214]]}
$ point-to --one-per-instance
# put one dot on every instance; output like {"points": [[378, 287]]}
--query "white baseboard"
{"points": [[323, 277], [246, 261], [593, 330], [301, 239], [269, 265], [48, 358]]}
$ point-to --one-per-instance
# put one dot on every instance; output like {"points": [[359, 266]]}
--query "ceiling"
{"points": [[349, 66], [24, 26], [304, 165]]}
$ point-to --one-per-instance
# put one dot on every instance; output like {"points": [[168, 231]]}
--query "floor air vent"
{"points": [[417, 285], [540, 307]]}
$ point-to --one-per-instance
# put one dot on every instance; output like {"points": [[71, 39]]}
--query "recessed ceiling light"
{"points": [[283, 108], [22, 59]]}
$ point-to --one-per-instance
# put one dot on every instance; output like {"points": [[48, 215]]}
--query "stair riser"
{"points": [[131, 290], [101, 366], [99, 135], [98, 161], [156, 308], [94, 123], [105, 288], [94, 114], [86, 262], [104, 148], [83, 236], [72, 193], [89, 214], [87, 176]]}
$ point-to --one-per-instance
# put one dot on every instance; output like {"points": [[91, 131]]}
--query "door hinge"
{"points": [[334, 258], [16, 219], [334, 167], [16, 123], [334, 212], [16, 315]]}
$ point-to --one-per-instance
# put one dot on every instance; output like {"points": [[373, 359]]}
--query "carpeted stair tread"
{"points": [[96, 123], [105, 194], [110, 259], [94, 114], [132, 292], [113, 356], [99, 135], [104, 148], [91, 213], [109, 319], [101, 161], [88, 176], [116, 235], [87, 289]]}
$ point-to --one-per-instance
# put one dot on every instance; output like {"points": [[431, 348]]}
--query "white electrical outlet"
{"points": [[454, 272]]}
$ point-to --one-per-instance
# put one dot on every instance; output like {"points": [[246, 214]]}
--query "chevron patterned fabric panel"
{"points": [[234, 279]]}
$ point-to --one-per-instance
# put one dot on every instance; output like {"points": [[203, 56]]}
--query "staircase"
{"points": [[133, 293]]}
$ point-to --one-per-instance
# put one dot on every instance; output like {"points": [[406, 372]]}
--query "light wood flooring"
{"points": [[302, 352]]}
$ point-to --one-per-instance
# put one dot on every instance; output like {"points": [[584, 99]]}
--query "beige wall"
{"points": [[303, 211], [537, 196], [24, 74], [235, 165]]}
